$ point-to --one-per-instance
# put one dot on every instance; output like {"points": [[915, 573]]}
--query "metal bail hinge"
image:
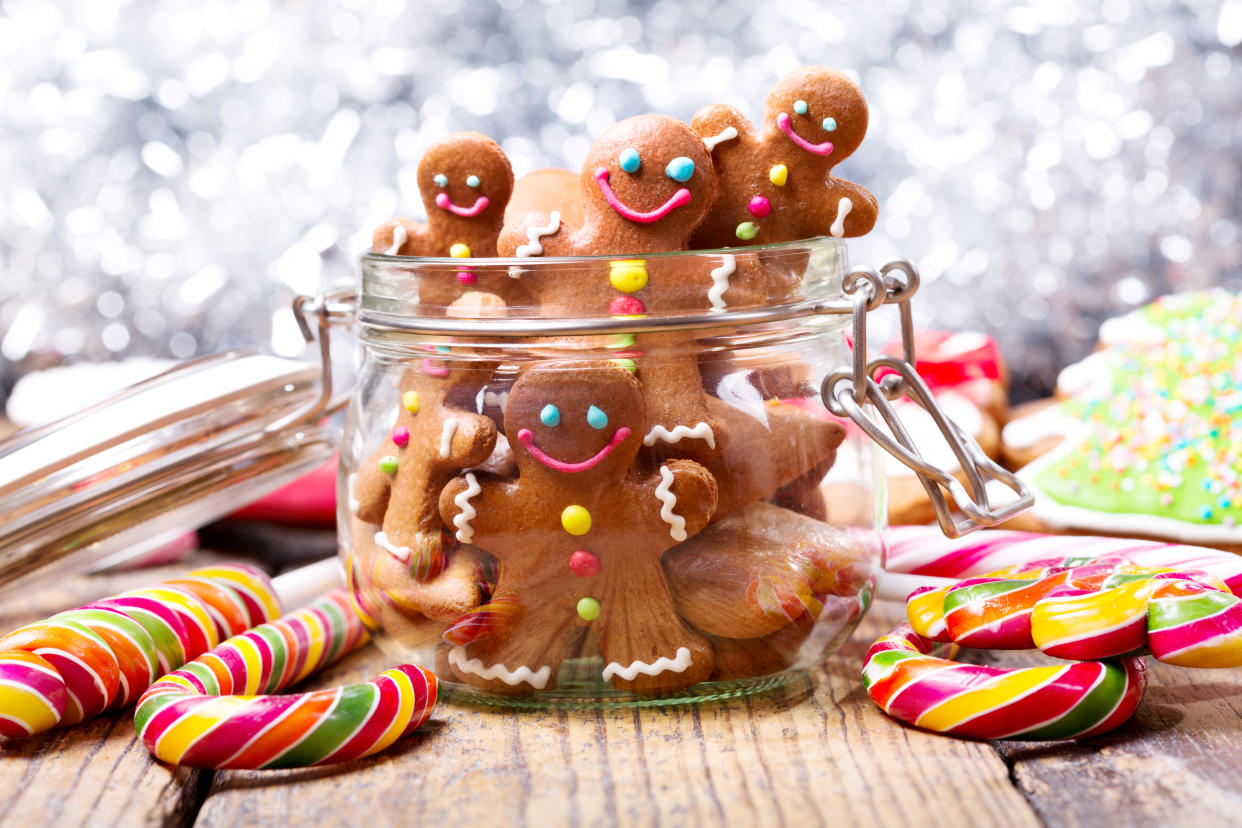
{"points": [[845, 391], [325, 311]]}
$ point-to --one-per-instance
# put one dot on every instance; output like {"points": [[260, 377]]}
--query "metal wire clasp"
{"points": [[332, 308], [847, 390]]}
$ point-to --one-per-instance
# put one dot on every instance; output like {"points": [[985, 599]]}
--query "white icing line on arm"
{"points": [[401, 553], [533, 247], [661, 665], [701, 431], [399, 237], [843, 209], [726, 134], [537, 678], [664, 494], [354, 505], [446, 437], [720, 281], [465, 532]]}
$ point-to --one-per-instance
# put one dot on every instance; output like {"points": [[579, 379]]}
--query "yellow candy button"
{"points": [[576, 520], [460, 251], [410, 400], [628, 275], [588, 609], [778, 175]]}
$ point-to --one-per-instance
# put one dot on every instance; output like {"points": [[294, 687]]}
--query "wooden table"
{"points": [[821, 753]]}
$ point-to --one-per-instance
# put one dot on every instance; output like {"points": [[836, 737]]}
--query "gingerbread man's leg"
{"points": [[645, 645], [679, 423]]}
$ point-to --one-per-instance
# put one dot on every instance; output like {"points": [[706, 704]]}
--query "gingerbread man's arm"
{"points": [[537, 234], [402, 237], [466, 440], [685, 494], [721, 127], [477, 508], [850, 210], [370, 487]]}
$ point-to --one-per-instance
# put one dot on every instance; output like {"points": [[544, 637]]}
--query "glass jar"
{"points": [[610, 481]]}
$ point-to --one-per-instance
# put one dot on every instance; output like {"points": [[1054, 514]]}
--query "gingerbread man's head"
{"points": [[465, 180], [647, 183], [821, 113], [581, 421]]}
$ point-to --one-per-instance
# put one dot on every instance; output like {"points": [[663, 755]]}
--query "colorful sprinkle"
{"points": [[400, 436], [409, 400], [628, 275], [576, 520], [460, 251], [778, 175], [388, 465], [627, 364], [680, 169], [588, 609], [747, 231], [627, 306], [629, 160], [759, 206], [583, 564]]}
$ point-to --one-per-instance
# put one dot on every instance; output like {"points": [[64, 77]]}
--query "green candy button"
{"points": [[588, 609], [388, 465], [747, 230]]}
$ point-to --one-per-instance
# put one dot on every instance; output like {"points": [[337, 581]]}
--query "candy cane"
{"points": [[192, 717], [1070, 701], [103, 655]]}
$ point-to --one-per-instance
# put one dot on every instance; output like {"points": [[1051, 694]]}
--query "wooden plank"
{"points": [[97, 773], [1177, 761], [803, 756]]}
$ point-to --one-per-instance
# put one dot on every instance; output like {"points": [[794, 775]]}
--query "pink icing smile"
{"points": [[445, 203], [433, 369], [528, 440], [782, 121], [676, 200]]}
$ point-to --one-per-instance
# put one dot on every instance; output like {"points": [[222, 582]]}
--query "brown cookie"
{"points": [[647, 183], [760, 569], [776, 182], [433, 439], [579, 536]]}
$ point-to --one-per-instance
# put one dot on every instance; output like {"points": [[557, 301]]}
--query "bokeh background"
{"points": [[173, 171]]}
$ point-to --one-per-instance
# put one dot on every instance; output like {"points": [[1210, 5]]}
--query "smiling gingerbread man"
{"points": [[579, 537], [647, 183], [776, 182], [465, 180]]}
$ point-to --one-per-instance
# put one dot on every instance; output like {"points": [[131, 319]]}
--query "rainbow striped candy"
{"points": [[105, 654], [1072, 701], [209, 714]]}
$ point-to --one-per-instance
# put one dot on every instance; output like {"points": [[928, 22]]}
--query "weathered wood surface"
{"points": [[808, 756]]}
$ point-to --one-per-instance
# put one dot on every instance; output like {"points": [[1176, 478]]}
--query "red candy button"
{"points": [[584, 564], [626, 306], [759, 207]]}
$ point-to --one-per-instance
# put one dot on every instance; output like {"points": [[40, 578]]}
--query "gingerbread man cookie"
{"points": [[647, 183], [579, 536], [432, 440], [776, 182], [466, 181]]}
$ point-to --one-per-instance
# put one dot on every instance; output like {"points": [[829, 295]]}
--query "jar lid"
{"points": [[155, 460]]}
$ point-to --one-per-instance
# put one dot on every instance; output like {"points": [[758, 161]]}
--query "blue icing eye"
{"points": [[441, 180], [680, 168], [629, 160], [550, 415], [596, 418], [473, 180], [830, 124], [800, 107]]}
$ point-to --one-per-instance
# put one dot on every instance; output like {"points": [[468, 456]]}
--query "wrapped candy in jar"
{"points": [[554, 503]]}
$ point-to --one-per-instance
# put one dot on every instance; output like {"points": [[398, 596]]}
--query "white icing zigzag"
{"points": [[720, 282], [446, 437], [843, 209], [534, 234], [399, 237], [701, 431], [465, 532], [537, 679], [401, 553], [664, 494], [726, 134], [662, 665]]}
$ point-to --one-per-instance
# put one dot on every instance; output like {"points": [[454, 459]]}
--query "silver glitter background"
{"points": [[172, 172]]}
